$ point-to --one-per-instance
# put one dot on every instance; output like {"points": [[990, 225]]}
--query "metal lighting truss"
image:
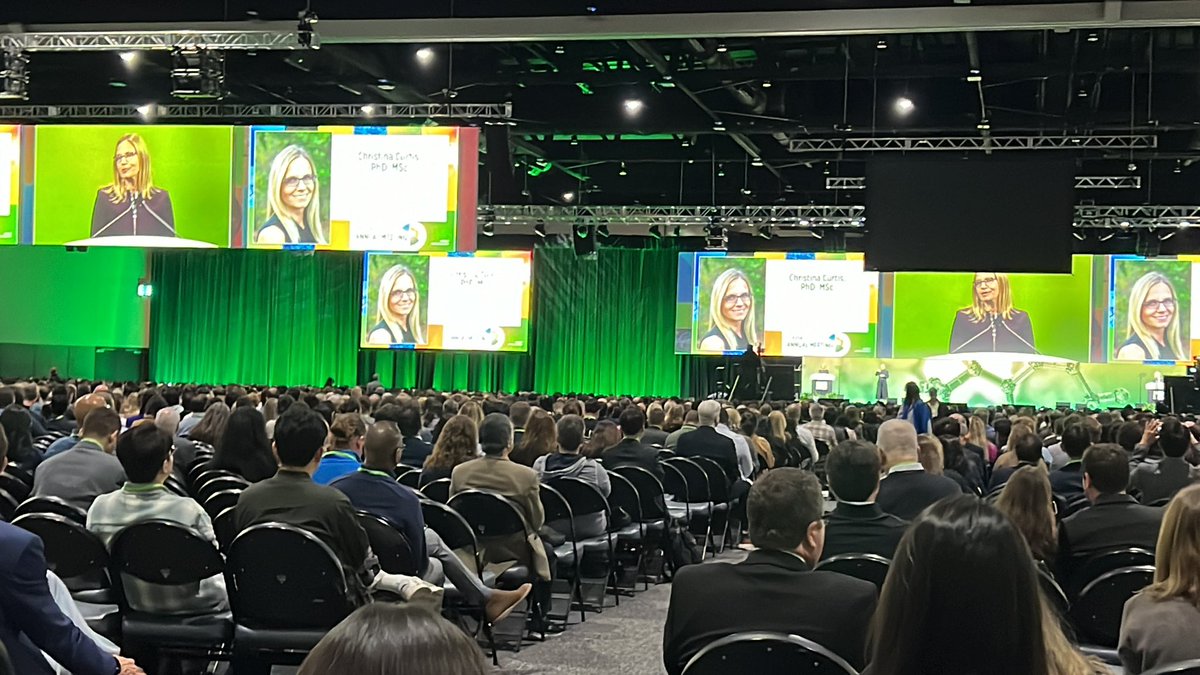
{"points": [[130, 40], [974, 143], [318, 111], [803, 217], [1081, 182]]}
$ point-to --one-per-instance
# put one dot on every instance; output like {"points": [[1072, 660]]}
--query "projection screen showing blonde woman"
{"points": [[1152, 322], [731, 314], [398, 309]]}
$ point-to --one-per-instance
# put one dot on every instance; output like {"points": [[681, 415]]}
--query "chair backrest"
{"points": [[1097, 610], [1190, 667], [20, 474], [1073, 506], [665, 453], [220, 484], [697, 480], [282, 577], [219, 501], [8, 506], [1097, 564], [584, 498], [454, 530], [865, 566], [624, 496], [649, 490], [210, 474], [674, 482], [161, 552], [390, 546], [490, 514], [72, 552], [176, 486], [225, 527], [438, 490], [763, 652], [1053, 591], [718, 482], [408, 476], [196, 467], [48, 504], [822, 448], [554, 504], [1163, 502], [16, 487]]}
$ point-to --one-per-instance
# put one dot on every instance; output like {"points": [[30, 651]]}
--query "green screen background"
{"points": [[1179, 272], [193, 163], [1059, 307], [267, 144]]}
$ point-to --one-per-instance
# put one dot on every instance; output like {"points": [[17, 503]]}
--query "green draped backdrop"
{"points": [[603, 324]]}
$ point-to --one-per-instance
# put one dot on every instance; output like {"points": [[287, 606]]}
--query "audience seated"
{"points": [[242, 447], [349, 432], [1067, 481], [654, 433], [17, 424], [1114, 520], [416, 449], [1027, 501], [87, 470], [1027, 449], [538, 440], [567, 462], [1161, 625], [707, 441], [1162, 479], [857, 524], [906, 488], [386, 639], [962, 596], [519, 413], [146, 456], [775, 588], [690, 421], [630, 451], [80, 410]]}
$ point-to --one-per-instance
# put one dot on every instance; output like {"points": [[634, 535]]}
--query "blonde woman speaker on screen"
{"points": [[991, 323], [1152, 325], [294, 201], [398, 309], [131, 205], [730, 314]]}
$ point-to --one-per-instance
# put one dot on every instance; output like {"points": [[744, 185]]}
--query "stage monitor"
{"points": [[999, 213], [783, 304], [360, 188], [458, 301], [133, 185], [10, 189]]}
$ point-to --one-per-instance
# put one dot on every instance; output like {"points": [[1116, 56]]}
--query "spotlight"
{"points": [[1106, 236], [146, 109], [766, 84], [882, 44], [904, 106], [540, 229], [1093, 37], [1178, 166], [655, 231], [130, 58], [574, 140], [14, 76], [747, 191], [424, 56], [1132, 166], [685, 142], [721, 48], [974, 76], [1183, 225], [602, 230], [622, 172], [385, 85], [560, 50], [720, 171], [568, 196], [718, 126], [487, 228], [633, 106], [757, 161], [764, 231], [368, 110], [984, 125], [306, 35], [198, 74], [1079, 235]]}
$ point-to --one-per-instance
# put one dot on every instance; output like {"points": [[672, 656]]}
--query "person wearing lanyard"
{"points": [[349, 432]]}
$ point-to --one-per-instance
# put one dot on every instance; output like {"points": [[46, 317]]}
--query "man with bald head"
{"points": [[906, 489], [706, 441], [373, 488], [82, 407]]}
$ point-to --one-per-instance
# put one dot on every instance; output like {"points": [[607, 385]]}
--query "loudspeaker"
{"points": [[498, 161]]}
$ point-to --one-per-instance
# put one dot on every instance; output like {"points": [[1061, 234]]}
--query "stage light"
{"points": [[146, 109], [622, 172], [720, 171], [574, 140], [14, 76], [602, 230], [560, 50], [1185, 225], [130, 58], [1132, 166], [766, 84], [145, 289], [984, 125], [385, 85], [882, 44], [974, 76], [540, 229], [1178, 166], [1093, 37], [198, 74], [718, 126], [568, 196], [655, 232], [685, 142], [904, 106], [747, 191], [764, 231], [1078, 235], [487, 228], [368, 110], [721, 48], [1106, 236], [424, 56], [757, 161], [633, 106]]}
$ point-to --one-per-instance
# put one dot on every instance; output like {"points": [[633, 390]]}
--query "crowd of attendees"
{"points": [[973, 506]]}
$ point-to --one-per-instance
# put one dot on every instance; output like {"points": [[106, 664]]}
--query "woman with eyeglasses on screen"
{"points": [[293, 201], [991, 323], [1153, 322], [131, 205], [398, 309], [730, 314]]}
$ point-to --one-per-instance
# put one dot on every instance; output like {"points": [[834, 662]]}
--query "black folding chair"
{"points": [[761, 652], [438, 490], [458, 534], [219, 501], [76, 555], [586, 500], [719, 490], [408, 476], [1096, 613], [20, 474], [196, 467], [1053, 592], [698, 499], [1092, 567], [211, 474], [224, 527], [1191, 667], [167, 554], [1073, 506], [630, 539], [865, 566], [286, 589], [175, 486], [567, 558], [220, 484], [14, 486], [48, 504], [8, 506], [653, 518], [389, 545]]}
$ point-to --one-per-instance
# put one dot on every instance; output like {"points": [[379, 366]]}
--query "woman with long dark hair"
{"points": [[540, 438], [915, 411], [948, 608], [244, 448], [211, 427], [1027, 501], [458, 443], [604, 436]]}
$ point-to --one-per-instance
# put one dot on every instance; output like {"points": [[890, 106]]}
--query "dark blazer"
{"points": [[654, 436], [148, 216], [710, 443], [631, 452], [769, 591], [30, 621], [905, 494], [415, 452], [1111, 522], [862, 529], [995, 334], [1001, 476], [1067, 482], [1162, 479]]}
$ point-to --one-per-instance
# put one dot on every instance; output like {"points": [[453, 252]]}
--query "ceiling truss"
{"points": [[974, 143]]}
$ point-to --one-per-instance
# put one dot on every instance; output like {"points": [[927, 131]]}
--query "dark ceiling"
{"points": [[625, 122]]}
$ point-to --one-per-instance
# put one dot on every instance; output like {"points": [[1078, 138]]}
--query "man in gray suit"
{"points": [[87, 470], [1162, 479]]}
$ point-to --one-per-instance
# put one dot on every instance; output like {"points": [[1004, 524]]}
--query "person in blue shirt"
{"points": [[349, 434], [372, 487]]}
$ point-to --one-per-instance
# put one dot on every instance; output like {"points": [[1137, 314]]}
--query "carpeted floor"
{"points": [[625, 640]]}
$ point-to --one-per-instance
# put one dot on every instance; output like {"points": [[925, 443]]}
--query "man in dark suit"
{"points": [[630, 451], [775, 588], [654, 434], [907, 489], [858, 525], [31, 622], [1114, 520], [1067, 482], [1162, 479], [415, 450], [706, 441]]}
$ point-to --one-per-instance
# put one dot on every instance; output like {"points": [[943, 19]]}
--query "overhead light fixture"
{"points": [[1106, 236], [14, 76], [368, 110], [602, 230], [568, 196], [633, 106], [974, 75], [1082, 93], [574, 140], [424, 56], [146, 110], [1167, 235], [747, 191], [198, 74], [764, 231], [882, 44], [685, 142], [720, 171], [766, 84], [757, 161], [655, 231], [1183, 225], [1078, 235], [487, 228], [1178, 166], [904, 106], [721, 48], [1093, 37], [1132, 166], [560, 50], [718, 126], [622, 172], [385, 85], [984, 125], [130, 58], [540, 229]]}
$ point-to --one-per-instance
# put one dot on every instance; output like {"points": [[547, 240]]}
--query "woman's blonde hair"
{"points": [[716, 318], [977, 432], [384, 308], [473, 410], [1137, 296], [312, 214], [778, 425], [1177, 556], [1026, 500], [144, 183], [1003, 304]]}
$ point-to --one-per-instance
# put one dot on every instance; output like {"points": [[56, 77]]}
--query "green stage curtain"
{"points": [[254, 317]]}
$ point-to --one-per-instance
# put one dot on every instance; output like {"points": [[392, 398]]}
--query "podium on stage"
{"points": [[822, 384]]}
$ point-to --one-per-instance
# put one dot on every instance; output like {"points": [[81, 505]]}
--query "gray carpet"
{"points": [[620, 640]]}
